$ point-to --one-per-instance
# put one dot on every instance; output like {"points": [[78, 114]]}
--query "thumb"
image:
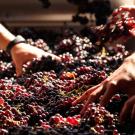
{"points": [[19, 70]]}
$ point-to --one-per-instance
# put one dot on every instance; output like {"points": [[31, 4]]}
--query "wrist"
{"points": [[16, 48], [17, 40]]}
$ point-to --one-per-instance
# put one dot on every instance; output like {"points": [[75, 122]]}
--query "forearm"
{"points": [[5, 37]]}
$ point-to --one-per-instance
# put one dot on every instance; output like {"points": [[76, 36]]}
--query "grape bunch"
{"points": [[40, 100], [118, 26], [77, 45], [40, 43]]}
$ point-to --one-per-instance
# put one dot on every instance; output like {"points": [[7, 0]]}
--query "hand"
{"points": [[21, 53], [122, 80]]}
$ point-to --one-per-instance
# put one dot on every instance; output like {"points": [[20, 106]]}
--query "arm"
{"points": [[5, 37], [123, 79], [22, 52]]}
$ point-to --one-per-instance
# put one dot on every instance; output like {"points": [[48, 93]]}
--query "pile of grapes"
{"points": [[120, 25], [40, 101]]}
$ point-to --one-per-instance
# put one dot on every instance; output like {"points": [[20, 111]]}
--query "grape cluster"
{"points": [[40, 43], [40, 101], [45, 64], [77, 45], [4, 56], [7, 70], [119, 25]]}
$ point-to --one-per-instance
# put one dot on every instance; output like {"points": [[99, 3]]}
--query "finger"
{"points": [[95, 95], [54, 57], [124, 112], [84, 108], [109, 92], [133, 114], [19, 70], [90, 99], [127, 108], [85, 95], [89, 91]]}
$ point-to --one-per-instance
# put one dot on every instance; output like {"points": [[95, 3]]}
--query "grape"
{"points": [[40, 100], [119, 25]]}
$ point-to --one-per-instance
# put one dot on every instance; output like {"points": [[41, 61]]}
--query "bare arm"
{"points": [[21, 52]]}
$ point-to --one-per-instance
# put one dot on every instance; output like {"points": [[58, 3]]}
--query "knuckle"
{"points": [[107, 80], [92, 96], [112, 83]]}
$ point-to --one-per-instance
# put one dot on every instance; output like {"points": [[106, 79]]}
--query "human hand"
{"points": [[122, 80], [22, 53]]}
